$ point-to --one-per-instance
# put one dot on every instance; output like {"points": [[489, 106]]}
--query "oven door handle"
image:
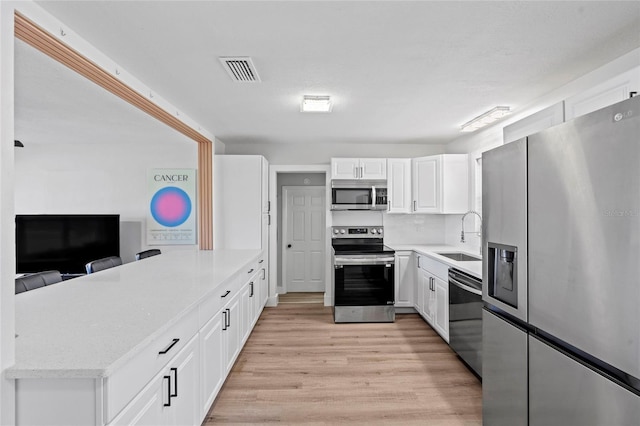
{"points": [[465, 287], [339, 261]]}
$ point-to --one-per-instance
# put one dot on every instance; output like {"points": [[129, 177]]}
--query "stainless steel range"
{"points": [[364, 275]]}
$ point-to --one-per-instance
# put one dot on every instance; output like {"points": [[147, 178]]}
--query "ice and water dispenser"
{"points": [[503, 273]]}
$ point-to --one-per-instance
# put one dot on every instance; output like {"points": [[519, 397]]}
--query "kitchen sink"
{"points": [[460, 257]]}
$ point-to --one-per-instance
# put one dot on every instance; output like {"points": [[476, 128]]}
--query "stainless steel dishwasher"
{"points": [[465, 318]]}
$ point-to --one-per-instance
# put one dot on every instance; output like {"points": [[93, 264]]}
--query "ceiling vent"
{"points": [[240, 68]]}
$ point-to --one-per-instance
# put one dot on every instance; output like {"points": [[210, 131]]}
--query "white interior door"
{"points": [[303, 239]]}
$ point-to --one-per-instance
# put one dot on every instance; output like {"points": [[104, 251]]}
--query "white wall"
{"points": [[285, 154], [219, 147], [97, 179]]}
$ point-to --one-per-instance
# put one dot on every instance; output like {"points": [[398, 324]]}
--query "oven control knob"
{"points": [[373, 231], [342, 231], [380, 231], [335, 231]]}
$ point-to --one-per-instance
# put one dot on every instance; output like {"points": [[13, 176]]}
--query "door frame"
{"points": [[274, 261], [285, 227]]}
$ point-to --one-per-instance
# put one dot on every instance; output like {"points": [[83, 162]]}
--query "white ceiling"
{"points": [[399, 72]]}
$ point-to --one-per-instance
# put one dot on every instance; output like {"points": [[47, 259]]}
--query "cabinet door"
{"points": [[534, 123], [429, 298], [426, 184], [608, 93], [264, 288], [238, 202], [146, 407], [184, 404], [441, 319], [399, 185], [373, 168], [404, 280], [419, 288], [211, 361], [246, 310], [231, 333], [345, 168]]}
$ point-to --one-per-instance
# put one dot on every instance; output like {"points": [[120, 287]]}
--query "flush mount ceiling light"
{"points": [[316, 104], [487, 118]]}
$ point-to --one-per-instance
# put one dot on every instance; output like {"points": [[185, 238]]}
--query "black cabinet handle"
{"points": [[288, 245], [261, 260], [228, 318], [250, 271], [251, 284], [168, 403], [224, 321], [168, 348], [175, 383], [226, 294]]}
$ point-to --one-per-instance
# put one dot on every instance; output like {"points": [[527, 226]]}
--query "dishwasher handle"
{"points": [[465, 287]]}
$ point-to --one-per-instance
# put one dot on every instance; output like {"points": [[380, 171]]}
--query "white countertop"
{"points": [[87, 327], [472, 267]]}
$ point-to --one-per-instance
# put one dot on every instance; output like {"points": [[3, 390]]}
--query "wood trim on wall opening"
{"points": [[32, 34]]}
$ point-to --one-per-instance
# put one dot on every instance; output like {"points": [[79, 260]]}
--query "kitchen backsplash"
{"points": [[471, 227], [414, 228], [357, 218]]}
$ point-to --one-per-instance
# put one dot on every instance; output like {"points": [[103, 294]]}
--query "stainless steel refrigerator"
{"points": [[561, 278]]}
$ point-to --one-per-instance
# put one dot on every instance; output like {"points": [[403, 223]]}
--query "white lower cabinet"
{"points": [[171, 398], [212, 363], [432, 294], [231, 330], [441, 294], [404, 280], [172, 380]]}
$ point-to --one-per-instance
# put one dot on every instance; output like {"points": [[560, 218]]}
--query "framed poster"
{"points": [[171, 216]]}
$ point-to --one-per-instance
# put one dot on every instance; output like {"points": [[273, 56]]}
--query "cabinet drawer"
{"points": [[438, 269], [125, 383], [225, 292]]}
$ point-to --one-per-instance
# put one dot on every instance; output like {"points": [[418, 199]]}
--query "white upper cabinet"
{"points": [[441, 184], [534, 123], [240, 201], [359, 168], [607, 93], [399, 185]]}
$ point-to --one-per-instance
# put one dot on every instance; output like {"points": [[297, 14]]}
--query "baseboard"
{"points": [[327, 300], [272, 301], [405, 310]]}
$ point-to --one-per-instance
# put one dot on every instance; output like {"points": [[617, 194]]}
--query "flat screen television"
{"points": [[65, 242]]}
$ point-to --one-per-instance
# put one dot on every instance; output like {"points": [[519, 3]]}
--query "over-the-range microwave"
{"points": [[359, 195]]}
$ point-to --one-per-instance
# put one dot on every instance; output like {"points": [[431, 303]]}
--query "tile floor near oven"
{"points": [[298, 367]]}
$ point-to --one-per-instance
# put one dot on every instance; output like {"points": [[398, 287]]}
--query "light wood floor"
{"points": [[298, 367], [290, 297]]}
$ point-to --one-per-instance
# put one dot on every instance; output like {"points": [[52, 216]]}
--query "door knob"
{"points": [[288, 245]]}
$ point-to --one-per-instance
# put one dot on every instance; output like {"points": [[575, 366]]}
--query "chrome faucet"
{"points": [[465, 215]]}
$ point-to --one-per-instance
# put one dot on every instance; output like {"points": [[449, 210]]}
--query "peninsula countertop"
{"points": [[87, 327], [474, 267]]}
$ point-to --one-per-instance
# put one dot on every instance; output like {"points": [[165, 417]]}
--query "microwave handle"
{"points": [[373, 196]]}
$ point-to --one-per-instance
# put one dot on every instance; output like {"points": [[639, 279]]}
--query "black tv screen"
{"points": [[64, 242]]}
